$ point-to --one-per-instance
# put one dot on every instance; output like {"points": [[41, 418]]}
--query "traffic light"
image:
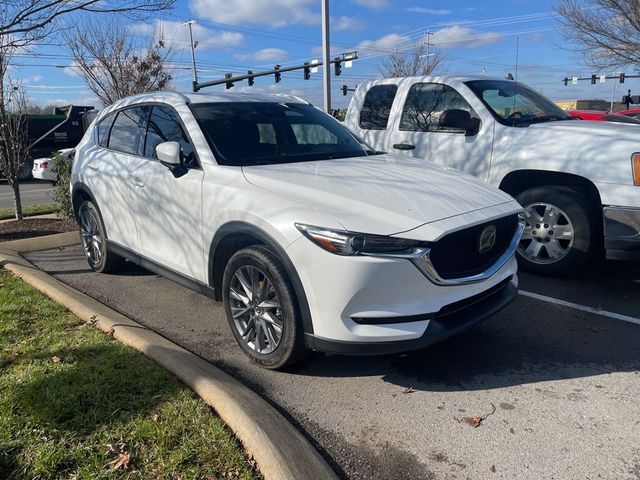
{"points": [[250, 80], [566, 81], [593, 79], [277, 74], [344, 90], [228, 85], [307, 71], [622, 78], [338, 66]]}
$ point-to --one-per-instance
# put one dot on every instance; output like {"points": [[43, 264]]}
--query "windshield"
{"points": [[256, 133], [515, 104]]}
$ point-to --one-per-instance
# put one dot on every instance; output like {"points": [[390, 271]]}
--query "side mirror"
{"points": [[460, 119], [170, 156]]}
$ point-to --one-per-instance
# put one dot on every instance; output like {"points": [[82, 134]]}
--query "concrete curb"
{"points": [[279, 449]]}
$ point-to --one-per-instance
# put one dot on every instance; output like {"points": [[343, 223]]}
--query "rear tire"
{"points": [[94, 240], [257, 291], [560, 236]]}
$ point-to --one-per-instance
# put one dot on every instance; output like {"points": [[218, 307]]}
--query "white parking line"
{"points": [[582, 308]]}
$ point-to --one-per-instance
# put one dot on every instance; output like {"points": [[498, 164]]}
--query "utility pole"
{"points": [[194, 80], [429, 33], [326, 72]]}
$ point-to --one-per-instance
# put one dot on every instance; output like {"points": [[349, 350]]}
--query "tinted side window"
{"points": [[164, 126], [377, 107], [104, 127], [426, 102], [125, 132]]}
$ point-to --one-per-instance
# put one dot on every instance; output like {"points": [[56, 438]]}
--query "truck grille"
{"points": [[460, 255]]}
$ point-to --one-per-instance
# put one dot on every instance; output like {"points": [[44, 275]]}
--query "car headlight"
{"points": [[635, 168], [342, 242]]}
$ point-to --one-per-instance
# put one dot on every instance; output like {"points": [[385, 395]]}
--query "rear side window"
{"points": [[377, 107], [425, 104], [104, 127], [125, 132], [164, 126]]}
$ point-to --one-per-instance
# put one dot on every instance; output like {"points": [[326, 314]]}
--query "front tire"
{"points": [[262, 309], [560, 236], [94, 240]]}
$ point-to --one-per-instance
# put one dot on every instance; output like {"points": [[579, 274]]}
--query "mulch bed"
{"points": [[35, 227]]}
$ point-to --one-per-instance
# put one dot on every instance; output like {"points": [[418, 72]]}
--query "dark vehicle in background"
{"points": [[62, 129], [633, 113]]}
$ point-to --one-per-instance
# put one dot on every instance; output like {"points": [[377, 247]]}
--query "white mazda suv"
{"points": [[311, 240]]}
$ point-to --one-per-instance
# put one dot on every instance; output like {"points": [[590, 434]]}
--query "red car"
{"points": [[633, 113], [600, 116]]}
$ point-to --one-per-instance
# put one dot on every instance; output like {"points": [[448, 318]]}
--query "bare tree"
{"points": [[607, 31], [13, 131], [28, 21], [420, 60], [108, 59]]}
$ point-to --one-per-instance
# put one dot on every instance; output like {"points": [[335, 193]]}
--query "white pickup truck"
{"points": [[578, 181]]}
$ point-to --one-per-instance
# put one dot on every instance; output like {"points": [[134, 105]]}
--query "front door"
{"points": [[168, 210], [417, 133]]}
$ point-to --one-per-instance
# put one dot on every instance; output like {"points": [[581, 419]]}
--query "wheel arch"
{"points": [[518, 181], [79, 194], [232, 237]]}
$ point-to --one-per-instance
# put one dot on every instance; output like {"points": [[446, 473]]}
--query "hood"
{"points": [[591, 128], [381, 194]]}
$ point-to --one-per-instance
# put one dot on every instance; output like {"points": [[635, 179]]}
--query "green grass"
{"points": [[6, 213], [73, 418]]}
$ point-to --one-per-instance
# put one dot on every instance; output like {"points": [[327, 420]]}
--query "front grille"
{"points": [[458, 254]]}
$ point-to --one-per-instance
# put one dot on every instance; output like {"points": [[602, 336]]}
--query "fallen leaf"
{"points": [[56, 359], [121, 462], [493, 468], [155, 417], [408, 390], [476, 421]]}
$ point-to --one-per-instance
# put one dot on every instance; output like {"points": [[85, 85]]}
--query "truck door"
{"points": [[417, 132]]}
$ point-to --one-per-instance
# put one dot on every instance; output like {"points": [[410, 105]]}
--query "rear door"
{"points": [[416, 131], [168, 210]]}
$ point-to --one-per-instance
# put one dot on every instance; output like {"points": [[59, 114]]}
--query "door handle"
{"points": [[138, 183], [404, 146]]}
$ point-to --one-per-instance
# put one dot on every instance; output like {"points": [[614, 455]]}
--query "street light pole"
{"points": [[194, 81], [326, 67]]}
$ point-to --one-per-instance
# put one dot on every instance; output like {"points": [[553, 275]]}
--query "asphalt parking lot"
{"points": [[33, 192], [564, 381]]}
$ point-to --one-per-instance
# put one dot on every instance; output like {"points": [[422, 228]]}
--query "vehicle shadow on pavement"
{"points": [[528, 342]]}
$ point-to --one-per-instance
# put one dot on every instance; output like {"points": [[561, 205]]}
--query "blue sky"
{"points": [[236, 35]]}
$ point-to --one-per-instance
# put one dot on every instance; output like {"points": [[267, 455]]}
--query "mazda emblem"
{"points": [[487, 239]]}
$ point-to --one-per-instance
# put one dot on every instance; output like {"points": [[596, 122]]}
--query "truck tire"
{"points": [[560, 236], [25, 173]]}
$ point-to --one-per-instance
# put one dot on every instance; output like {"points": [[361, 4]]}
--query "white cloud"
{"points": [[275, 13], [72, 70], [375, 4], [383, 45], [452, 37], [346, 23], [266, 55], [177, 35], [428, 11]]}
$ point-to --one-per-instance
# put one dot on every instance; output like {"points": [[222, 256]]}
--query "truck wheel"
{"points": [[25, 172], [262, 309], [560, 235]]}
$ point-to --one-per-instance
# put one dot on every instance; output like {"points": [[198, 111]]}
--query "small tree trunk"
{"points": [[17, 201]]}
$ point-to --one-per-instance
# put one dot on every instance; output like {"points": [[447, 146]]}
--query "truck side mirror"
{"points": [[460, 119]]}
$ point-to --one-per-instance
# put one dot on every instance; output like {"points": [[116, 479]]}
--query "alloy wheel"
{"points": [[91, 239], [548, 235], [256, 309]]}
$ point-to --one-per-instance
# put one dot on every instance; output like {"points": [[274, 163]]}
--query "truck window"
{"points": [[426, 102], [377, 107]]}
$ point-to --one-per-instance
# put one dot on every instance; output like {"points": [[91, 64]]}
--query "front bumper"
{"points": [[622, 232], [440, 326]]}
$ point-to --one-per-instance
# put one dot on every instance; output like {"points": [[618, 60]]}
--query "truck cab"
{"points": [[579, 182]]}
